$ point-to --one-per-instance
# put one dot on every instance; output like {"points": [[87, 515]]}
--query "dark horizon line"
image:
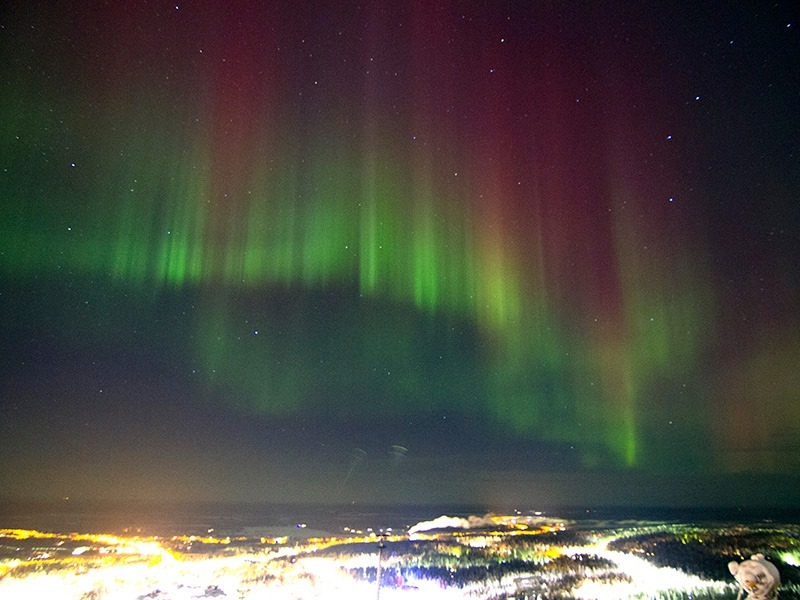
{"points": [[480, 509]]}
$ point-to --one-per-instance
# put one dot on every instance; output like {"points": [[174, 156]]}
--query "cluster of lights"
{"points": [[110, 566]]}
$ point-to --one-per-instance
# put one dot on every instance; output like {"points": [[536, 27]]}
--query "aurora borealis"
{"points": [[279, 238]]}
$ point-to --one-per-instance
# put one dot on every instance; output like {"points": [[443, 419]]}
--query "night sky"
{"points": [[400, 251]]}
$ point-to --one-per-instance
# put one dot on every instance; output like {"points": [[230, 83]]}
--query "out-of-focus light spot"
{"points": [[791, 558]]}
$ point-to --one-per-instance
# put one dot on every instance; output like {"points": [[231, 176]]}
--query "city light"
{"points": [[474, 557]]}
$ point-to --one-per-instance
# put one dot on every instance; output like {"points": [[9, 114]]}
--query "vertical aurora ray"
{"points": [[328, 231], [423, 256], [376, 186], [158, 229], [368, 227], [666, 316]]}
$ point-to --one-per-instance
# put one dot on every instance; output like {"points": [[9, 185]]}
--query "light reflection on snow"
{"points": [[646, 579]]}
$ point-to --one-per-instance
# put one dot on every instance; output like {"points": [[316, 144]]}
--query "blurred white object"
{"points": [[757, 576]]}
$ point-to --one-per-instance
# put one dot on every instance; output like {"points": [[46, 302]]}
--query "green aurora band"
{"points": [[379, 232]]}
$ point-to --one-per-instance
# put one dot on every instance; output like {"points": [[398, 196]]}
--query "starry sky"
{"points": [[400, 251]]}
